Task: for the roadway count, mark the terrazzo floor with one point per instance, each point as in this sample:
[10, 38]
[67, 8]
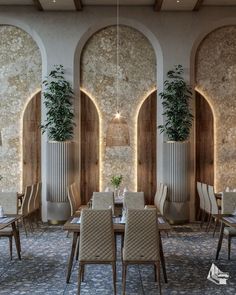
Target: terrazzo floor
[189, 253]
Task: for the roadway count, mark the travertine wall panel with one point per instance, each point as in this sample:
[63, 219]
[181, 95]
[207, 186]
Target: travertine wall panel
[216, 79]
[20, 78]
[136, 77]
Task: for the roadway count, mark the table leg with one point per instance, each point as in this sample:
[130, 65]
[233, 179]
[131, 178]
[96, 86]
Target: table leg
[162, 258]
[222, 226]
[16, 235]
[71, 258]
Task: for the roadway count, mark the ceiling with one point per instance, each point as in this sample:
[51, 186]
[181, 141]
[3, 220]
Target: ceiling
[158, 5]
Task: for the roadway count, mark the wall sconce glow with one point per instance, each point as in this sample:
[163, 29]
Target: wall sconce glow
[117, 115]
[117, 132]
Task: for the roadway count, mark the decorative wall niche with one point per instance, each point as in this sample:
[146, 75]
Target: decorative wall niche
[215, 80]
[20, 79]
[137, 78]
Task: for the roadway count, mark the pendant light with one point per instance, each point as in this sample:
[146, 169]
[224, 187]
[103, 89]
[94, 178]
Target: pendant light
[118, 130]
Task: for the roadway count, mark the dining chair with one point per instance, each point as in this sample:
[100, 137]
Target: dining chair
[141, 242]
[9, 202]
[97, 242]
[24, 211]
[214, 207]
[207, 203]
[201, 212]
[163, 199]
[229, 207]
[134, 200]
[158, 195]
[103, 200]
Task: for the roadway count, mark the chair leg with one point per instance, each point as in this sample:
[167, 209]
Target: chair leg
[82, 272]
[10, 246]
[229, 246]
[208, 221]
[24, 225]
[216, 223]
[77, 250]
[158, 275]
[203, 218]
[79, 278]
[155, 272]
[199, 214]
[114, 276]
[124, 269]
[209, 224]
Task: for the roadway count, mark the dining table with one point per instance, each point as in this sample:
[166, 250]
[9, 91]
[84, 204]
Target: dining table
[11, 220]
[119, 228]
[225, 220]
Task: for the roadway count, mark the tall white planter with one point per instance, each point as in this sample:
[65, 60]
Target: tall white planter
[59, 176]
[176, 177]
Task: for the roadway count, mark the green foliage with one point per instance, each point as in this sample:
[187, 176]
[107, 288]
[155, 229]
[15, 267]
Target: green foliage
[175, 101]
[58, 95]
[116, 180]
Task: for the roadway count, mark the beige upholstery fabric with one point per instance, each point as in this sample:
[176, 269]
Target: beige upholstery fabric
[163, 199]
[103, 200]
[32, 197]
[230, 231]
[207, 202]
[200, 194]
[25, 203]
[141, 236]
[96, 236]
[37, 201]
[9, 202]
[134, 200]
[75, 192]
[228, 202]
[158, 195]
[214, 206]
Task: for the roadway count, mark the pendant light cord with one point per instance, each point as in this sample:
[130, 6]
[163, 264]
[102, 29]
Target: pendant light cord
[117, 55]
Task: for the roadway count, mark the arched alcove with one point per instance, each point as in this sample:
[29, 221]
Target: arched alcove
[215, 74]
[89, 171]
[136, 76]
[147, 147]
[31, 141]
[20, 78]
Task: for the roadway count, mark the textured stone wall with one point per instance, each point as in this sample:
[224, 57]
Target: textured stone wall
[136, 77]
[216, 79]
[20, 78]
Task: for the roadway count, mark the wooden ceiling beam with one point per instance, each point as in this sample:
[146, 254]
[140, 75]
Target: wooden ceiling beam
[198, 5]
[78, 5]
[38, 5]
[158, 5]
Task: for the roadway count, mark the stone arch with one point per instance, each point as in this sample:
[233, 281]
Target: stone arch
[215, 74]
[22, 78]
[110, 27]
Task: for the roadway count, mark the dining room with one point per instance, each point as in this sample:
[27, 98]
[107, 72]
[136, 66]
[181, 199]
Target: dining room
[117, 147]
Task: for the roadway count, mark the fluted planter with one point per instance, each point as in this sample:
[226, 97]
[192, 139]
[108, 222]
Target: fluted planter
[59, 175]
[176, 178]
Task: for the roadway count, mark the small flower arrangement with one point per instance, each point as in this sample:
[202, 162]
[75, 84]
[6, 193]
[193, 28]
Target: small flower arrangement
[116, 180]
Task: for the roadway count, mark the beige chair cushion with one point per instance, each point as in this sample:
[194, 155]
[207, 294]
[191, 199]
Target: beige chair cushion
[96, 236]
[103, 200]
[134, 200]
[228, 204]
[141, 236]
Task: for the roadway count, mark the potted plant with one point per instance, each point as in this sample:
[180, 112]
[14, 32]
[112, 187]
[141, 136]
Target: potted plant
[177, 127]
[59, 125]
[116, 181]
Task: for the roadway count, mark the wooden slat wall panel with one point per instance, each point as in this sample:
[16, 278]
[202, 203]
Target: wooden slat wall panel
[147, 148]
[89, 148]
[32, 142]
[204, 143]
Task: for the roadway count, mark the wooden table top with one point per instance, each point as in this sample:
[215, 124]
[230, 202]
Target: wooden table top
[118, 227]
[228, 219]
[8, 220]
